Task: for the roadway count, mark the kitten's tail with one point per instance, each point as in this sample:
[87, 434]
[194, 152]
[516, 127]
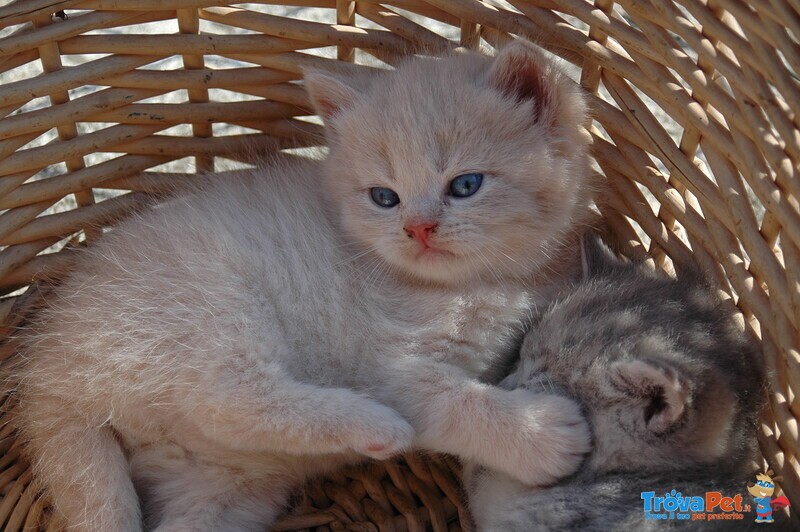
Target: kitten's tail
[82, 469]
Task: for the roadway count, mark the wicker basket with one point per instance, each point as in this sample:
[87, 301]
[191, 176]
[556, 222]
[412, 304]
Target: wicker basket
[696, 130]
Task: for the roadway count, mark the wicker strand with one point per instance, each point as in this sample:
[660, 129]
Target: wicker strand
[189, 22]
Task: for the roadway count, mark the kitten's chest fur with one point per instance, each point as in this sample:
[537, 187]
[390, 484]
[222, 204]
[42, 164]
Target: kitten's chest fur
[472, 328]
[340, 326]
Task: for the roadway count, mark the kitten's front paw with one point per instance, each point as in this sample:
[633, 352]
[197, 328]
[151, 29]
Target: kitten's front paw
[551, 439]
[384, 435]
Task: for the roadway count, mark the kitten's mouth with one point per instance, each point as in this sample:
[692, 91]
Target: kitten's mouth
[428, 252]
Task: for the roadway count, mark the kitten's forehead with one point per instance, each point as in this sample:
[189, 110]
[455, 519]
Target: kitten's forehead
[434, 98]
[419, 76]
[426, 98]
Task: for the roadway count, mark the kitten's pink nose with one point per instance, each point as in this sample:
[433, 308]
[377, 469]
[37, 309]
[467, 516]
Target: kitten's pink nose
[421, 231]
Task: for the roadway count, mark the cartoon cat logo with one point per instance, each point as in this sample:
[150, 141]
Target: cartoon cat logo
[762, 492]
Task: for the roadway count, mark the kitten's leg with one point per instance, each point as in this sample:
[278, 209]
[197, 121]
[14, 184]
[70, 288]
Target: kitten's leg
[213, 516]
[491, 495]
[270, 411]
[82, 468]
[536, 438]
[183, 493]
[498, 503]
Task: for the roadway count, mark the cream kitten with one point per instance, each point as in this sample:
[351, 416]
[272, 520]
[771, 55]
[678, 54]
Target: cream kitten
[209, 355]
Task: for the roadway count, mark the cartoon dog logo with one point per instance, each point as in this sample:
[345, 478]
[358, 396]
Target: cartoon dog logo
[762, 492]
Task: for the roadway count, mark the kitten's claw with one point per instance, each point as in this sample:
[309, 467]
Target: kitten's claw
[550, 441]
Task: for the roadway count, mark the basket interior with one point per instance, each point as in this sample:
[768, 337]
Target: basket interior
[106, 104]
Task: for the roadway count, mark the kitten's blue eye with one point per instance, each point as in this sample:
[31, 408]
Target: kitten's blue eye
[465, 185]
[385, 197]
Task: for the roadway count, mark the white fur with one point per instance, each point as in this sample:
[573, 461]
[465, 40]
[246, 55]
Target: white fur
[211, 354]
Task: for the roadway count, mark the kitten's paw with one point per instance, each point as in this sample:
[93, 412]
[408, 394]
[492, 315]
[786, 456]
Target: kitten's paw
[551, 439]
[385, 434]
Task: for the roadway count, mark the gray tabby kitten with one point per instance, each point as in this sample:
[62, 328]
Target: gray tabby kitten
[671, 386]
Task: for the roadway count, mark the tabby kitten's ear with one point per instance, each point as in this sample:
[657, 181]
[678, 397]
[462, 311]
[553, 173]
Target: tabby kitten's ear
[523, 72]
[328, 95]
[659, 392]
[596, 257]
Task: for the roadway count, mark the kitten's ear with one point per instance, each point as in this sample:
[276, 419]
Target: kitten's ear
[328, 95]
[523, 72]
[658, 391]
[596, 257]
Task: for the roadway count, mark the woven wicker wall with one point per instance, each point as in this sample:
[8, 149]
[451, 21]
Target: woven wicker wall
[696, 129]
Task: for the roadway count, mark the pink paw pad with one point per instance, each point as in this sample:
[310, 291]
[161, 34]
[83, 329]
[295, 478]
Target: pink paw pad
[376, 447]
